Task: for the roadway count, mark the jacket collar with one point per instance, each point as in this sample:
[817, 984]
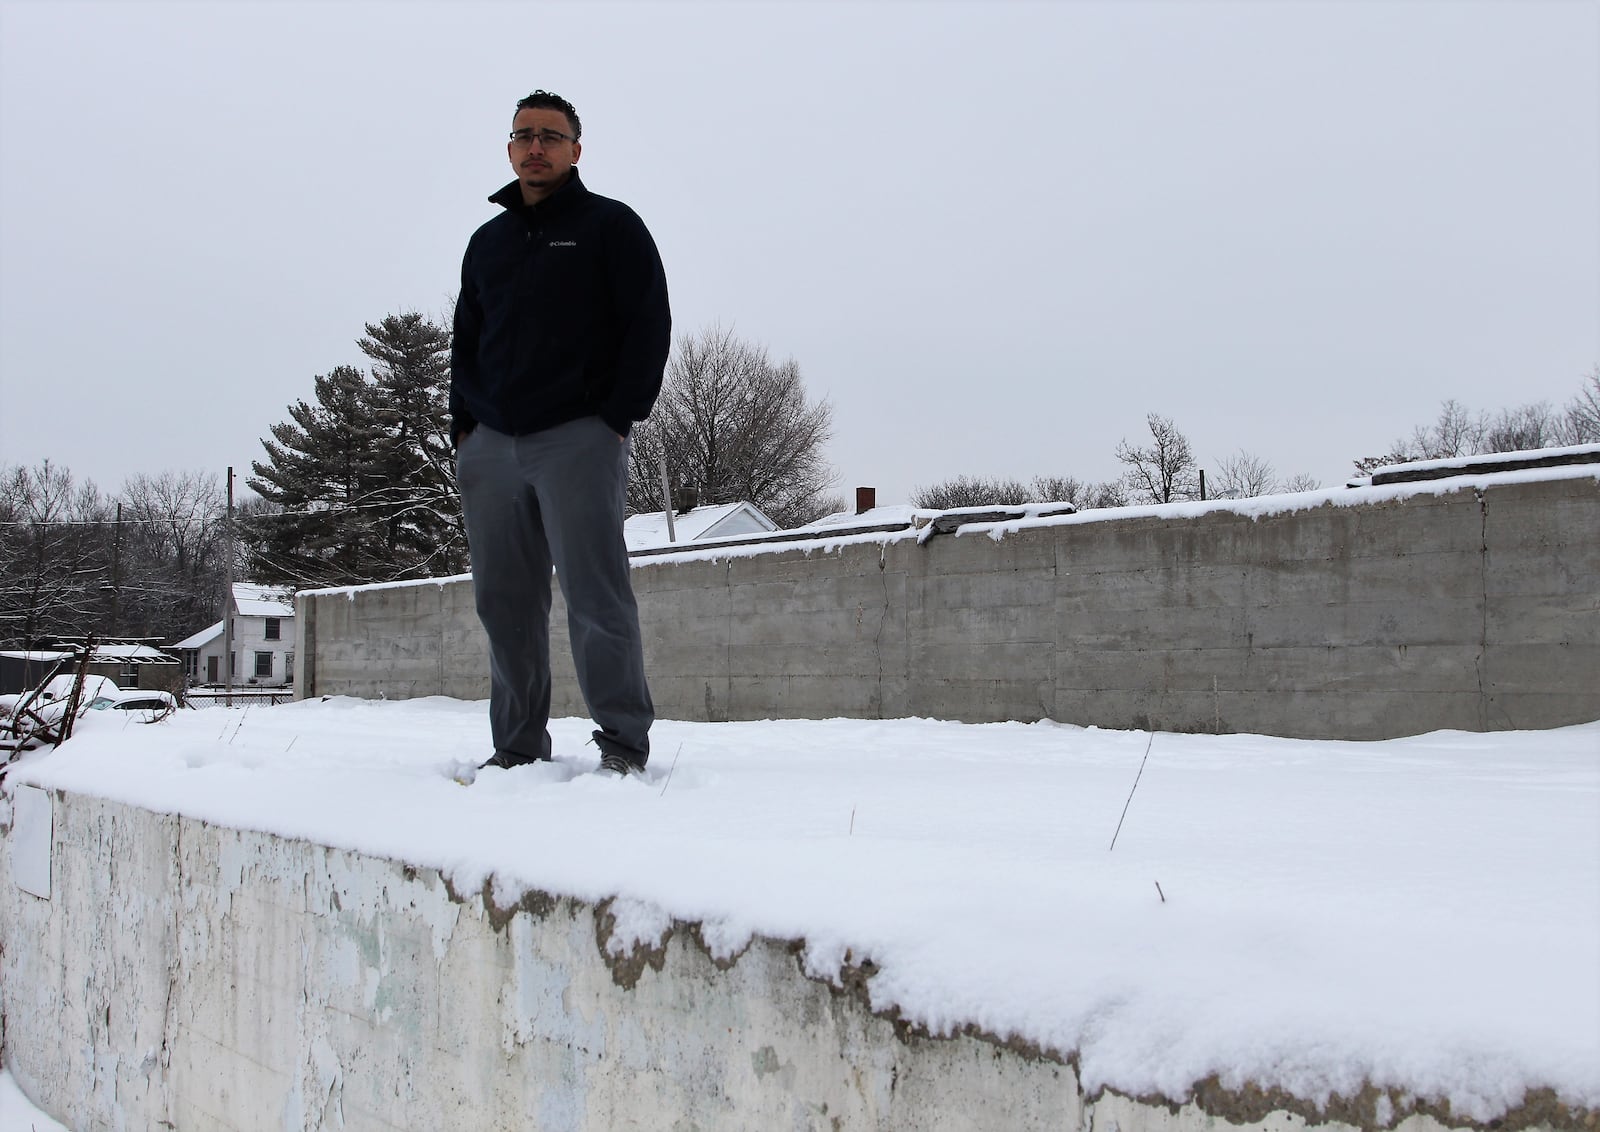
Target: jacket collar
[510, 197]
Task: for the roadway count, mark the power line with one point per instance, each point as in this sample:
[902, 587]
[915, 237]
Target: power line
[343, 509]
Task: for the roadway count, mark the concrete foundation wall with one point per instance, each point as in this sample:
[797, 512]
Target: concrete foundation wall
[164, 973]
[1476, 608]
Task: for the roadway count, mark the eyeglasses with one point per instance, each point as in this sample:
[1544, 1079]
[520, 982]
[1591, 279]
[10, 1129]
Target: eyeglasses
[547, 139]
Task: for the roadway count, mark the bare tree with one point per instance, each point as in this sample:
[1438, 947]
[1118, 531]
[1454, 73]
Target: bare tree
[1459, 432]
[1456, 432]
[1164, 470]
[1059, 489]
[1582, 417]
[975, 491]
[970, 491]
[1107, 493]
[735, 426]
[1301, 482]
[1246, 475]
[1519, 429]
[53, 554]
[1243, 476]
[1079, 493]
[174, 545]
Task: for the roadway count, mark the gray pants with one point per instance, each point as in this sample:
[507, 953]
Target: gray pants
[555, 498]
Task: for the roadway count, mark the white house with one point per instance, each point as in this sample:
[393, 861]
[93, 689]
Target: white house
[720, 520]
[263, 640]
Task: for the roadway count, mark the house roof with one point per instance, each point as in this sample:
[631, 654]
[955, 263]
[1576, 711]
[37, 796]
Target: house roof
[201, 639]
[711, 521]
[132, 654]
[125, 653]
[252, 599]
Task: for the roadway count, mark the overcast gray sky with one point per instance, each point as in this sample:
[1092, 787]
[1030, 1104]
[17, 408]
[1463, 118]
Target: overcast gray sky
[994, 236]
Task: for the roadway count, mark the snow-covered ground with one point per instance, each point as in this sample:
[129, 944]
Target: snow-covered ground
[1421, 913]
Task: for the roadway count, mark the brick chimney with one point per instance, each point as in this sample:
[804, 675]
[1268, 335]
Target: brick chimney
[866, 499]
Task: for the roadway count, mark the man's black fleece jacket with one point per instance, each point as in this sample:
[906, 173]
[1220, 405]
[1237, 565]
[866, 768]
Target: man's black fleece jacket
[562, 314]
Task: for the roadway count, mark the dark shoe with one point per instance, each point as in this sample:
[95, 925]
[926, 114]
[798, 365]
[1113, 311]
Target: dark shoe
[616, 766]
[508, 760]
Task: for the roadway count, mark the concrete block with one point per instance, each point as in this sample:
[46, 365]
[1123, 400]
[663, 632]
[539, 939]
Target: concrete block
[1421, 621]
[982, 554]
[1569, 619]
[1501, 710]
[1174, 627]
[801, 696]
[1564, 669]
[402, 1006]
[1334, 596]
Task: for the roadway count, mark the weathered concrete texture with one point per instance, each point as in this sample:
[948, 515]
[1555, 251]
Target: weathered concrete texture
[185, 976]
[1476, 609]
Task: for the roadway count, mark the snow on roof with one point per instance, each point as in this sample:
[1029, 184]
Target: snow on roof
[201, 639]
[137, 654]
[711, 521]
[905, 515]
[252, 599]
[902, 513]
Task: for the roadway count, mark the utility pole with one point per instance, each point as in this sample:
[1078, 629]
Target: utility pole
[227, 603]
[666, 497]
[116, 572]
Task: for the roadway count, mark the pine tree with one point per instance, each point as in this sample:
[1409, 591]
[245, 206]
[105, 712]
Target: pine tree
[414, 467]
[360, 486]
[319, 475]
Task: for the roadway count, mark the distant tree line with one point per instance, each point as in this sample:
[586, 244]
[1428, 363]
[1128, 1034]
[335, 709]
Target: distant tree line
[1165, 470]
[148, 561]
[358, 485]
[1460, 432]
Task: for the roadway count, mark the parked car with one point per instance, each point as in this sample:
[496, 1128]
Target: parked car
[50, 701]
[46, 710]
[155, 705]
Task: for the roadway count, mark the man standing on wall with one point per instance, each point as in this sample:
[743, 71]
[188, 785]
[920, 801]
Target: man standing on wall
[561, 336]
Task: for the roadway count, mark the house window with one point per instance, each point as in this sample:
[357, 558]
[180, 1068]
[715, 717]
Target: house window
[263, 664]
[288, 668]
[233, 664]
[191, 664]
[272, 629]
[129, 677]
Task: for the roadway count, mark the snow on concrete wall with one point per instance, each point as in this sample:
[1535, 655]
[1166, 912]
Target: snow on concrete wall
[1364, 614]
[180, 975]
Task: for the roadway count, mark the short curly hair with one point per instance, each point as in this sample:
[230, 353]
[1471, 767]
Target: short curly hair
[546, 100]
